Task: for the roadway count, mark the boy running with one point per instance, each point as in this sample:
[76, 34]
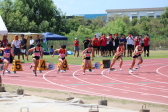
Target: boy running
[137, 55]
[117, 56]
[7, 52]
[62, 54]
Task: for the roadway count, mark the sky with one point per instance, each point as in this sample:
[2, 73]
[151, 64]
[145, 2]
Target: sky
[71, 7]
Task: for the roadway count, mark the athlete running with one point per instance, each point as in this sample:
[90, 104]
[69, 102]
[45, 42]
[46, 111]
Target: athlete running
[62, 54]
[87, 55]
[7, 52]
[36, 57]
[137, 55]
[117, 56]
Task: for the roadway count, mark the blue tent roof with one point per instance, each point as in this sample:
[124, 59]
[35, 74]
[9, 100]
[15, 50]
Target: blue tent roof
[51, 36]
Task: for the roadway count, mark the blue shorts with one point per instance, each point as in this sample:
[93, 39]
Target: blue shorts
[7, 59]
[76, 48]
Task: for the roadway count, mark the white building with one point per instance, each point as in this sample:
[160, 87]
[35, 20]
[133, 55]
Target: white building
[136, 13]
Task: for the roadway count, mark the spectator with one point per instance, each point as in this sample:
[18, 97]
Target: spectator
[86, 42]
[116, 41]
[51, 50]
[16, 46]
[130, 41]
[137, 40]
[94, 43]
[76, 47]
[109, 45]
[98, 46]
[31, 42]
[140, 36]
[124, 41]
[146, 45]
[38, 40]
[103, 45]
[24, 47]
[4, 42]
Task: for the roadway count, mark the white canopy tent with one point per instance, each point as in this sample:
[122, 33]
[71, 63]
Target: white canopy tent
[3, 29]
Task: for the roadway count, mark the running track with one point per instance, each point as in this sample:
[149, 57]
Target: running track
[149, 84]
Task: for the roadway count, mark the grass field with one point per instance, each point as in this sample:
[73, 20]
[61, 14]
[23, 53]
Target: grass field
[154, 54]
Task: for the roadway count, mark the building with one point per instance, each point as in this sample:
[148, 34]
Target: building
[136, 13]
[90, 16]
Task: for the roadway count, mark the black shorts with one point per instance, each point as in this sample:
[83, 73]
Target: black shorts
[98, 47]
[109, 47]
[37, 57]
[117, 57]
[87, 58]
[136, 56]
[17, 51]
[63, 58]
[129, 46]
[103, 48]
[146, 48]
[133, 47]
[94, 46]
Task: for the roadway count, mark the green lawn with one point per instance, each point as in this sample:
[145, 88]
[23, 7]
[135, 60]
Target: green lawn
[77, 61]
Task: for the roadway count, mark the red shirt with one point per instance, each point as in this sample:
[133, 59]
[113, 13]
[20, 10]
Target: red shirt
[104, 41]
[110, 36]
[137, 41]
[4, 43]
[76, 43]
[146, 41]
[95, 41]
[62, 51]
[99, 42]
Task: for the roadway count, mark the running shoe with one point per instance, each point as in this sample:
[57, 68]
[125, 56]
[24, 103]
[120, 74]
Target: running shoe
[83, 73]
[35, 74]
[7, 71]
[90, 70]
[109, 70]
[31, 66]
[130, 70]
[58, 71]
[120, 69]
[138, 66]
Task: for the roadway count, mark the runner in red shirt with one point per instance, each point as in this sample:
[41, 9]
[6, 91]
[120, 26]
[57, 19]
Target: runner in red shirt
[76, 47]
[95, 44]
[146, 45]
[103, 45]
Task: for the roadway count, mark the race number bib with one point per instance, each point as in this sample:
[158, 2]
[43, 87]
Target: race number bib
[87, 55]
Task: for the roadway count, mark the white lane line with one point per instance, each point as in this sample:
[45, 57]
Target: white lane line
[157, 70]
[97, 94]
[111, 87]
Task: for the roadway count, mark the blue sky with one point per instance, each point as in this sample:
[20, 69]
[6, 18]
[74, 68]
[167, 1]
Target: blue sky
[100, 6]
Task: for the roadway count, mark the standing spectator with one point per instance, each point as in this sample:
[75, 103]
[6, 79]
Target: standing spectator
[23, 47]
[94, 43]
[16, 46]
[146, 45]
[137, 41]
[124, 41]
[108, 46]
[117, 41]
[86, 42]
[130, 41]
[51, 50]
[90, 40]
[98, 46]
[31, 42]
[140, 36]
[103, 45]
[4, 42]
[38, 40]
[76, 47]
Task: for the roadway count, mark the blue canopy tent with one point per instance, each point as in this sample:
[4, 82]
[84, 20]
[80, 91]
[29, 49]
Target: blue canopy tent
[51, 37]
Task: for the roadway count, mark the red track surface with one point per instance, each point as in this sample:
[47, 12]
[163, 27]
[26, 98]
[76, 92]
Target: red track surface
[149, 84]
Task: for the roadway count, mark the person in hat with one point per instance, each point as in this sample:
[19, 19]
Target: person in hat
[23, 47]
[6, 57]
[76, 47]
[62, 54]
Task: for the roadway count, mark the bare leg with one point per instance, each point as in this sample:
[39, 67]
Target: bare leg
[74, 53]
[113, 62]
[133, 63]
[140, 60]
[85, 65]
[78, 53]
[121, 62]
[23, 56]
[18, 56]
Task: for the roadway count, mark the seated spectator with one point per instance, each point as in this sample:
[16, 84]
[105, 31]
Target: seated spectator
[51, 50]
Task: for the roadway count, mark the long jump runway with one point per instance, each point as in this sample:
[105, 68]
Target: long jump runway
[149, 84]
